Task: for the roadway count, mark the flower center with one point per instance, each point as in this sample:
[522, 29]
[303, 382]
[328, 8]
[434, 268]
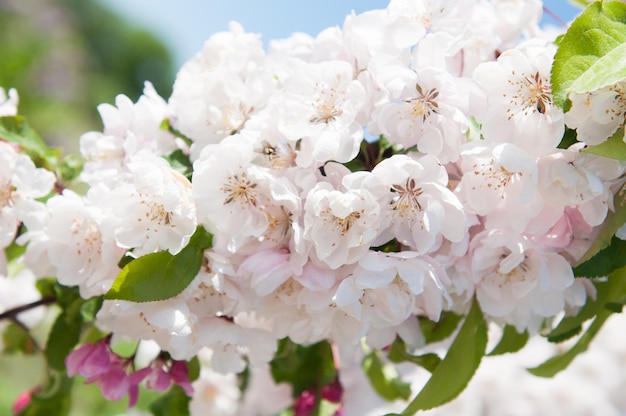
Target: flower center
[343, 224]
[6, 193]
[618, 111]
[512, 267]
[87, 235]
[496, 178]
[424, 104]
[534, 94]
[406, 202]
[326, 108]
[239, 190]
[278, 225]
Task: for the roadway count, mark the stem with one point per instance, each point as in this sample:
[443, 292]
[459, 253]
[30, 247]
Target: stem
[554, 16]
[12, 313]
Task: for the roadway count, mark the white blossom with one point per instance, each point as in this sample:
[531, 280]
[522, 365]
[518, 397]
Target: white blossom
[520, 107]
[597, 115]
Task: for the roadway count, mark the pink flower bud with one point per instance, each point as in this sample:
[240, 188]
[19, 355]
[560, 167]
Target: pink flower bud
[21, 401]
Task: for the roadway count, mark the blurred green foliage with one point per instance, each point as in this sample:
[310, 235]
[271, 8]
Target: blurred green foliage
[66, 56]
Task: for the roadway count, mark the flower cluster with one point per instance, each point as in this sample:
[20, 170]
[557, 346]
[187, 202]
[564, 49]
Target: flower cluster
[397, 167]
[98, 364]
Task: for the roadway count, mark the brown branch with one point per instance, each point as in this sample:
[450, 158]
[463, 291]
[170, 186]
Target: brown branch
[12, 313]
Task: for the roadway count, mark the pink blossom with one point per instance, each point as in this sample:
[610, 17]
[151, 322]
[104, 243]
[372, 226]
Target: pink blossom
[89, 360]
[100, 365]
[179, 374]
[158, 379]
[304, 404]
[333, 392]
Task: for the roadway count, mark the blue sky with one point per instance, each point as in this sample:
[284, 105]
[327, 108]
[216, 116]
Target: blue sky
[184, 25]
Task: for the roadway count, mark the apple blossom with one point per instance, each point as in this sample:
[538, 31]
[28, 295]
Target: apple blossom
[520, 108]
[597, 115]
[355, 188]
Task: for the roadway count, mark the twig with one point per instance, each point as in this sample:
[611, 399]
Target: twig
[12, 313]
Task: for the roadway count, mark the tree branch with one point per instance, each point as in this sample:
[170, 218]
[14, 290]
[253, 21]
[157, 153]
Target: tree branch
[12, 313]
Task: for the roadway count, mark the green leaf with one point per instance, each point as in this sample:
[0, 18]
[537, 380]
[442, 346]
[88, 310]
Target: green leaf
[569, 138]
[607, 70]
[458, 366]
[398, 354]
[90, 308]
[614, 147]
[64, 335]
[174, 402]
[46, 286]
[70, 168]
[193, 368]
[558, 363]
[572, 325]
[13, 251]
[616, 293]
[304, 367]
[160, 276]
[614, 220]
[180, 162]
[591, 38]
[165, 125]
[606, 261]
[440, 330]
[67, 296]
[16, 340]
[385, 378]
[15, 129]
[511, 341]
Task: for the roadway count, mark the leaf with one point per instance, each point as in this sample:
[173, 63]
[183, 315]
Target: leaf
[606, 261]
[616, 294]
[572, 325]
[614, 220]
[569, 138]
[63, 337]
[304, 367]
[511, 341]
[16, 340]
[458, 366]
[398, 354]
[193, 368]
[90, 308]
[607, 70]
[614, 147]
[440, 330]
[15, 129]
[13, 251]
[46, 286]
[589, 41]
[165, 125]
[384, 378]
[174, 402]
[180, 162]
[160, 276]
[70, 168]
[558, 363]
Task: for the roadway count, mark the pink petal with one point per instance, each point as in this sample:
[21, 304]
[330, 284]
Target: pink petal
[158, 380]
[180, 375]
[114, 384]
[89, 360]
